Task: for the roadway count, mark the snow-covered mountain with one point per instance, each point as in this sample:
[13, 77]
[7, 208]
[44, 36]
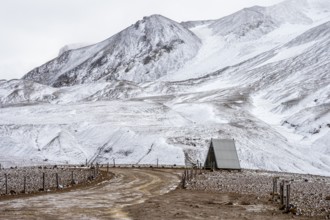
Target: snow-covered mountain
[143, 52]
[161, 90]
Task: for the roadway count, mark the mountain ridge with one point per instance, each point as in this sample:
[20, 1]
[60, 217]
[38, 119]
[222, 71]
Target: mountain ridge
[138, 47]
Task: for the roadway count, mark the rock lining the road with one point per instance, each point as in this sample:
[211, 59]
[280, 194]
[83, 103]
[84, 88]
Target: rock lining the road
[308, 192]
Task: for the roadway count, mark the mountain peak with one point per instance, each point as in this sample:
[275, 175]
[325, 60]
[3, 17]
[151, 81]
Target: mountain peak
[155, 16]
[145, 51]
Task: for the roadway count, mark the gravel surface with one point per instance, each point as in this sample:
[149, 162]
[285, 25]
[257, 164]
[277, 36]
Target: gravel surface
[34, 178]
[104, 200]
[310, 194]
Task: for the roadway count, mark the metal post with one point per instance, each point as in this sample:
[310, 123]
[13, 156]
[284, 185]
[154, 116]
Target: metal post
[157, 162]
[107, 168]
[184, 179]
[86, 162]
[114, 162]
[282, 192]
[97, 169]
[274, 187]
[276, 178]
[24, 183]
[57, 183]
[288, 196]
[43, 181]
[6, 182]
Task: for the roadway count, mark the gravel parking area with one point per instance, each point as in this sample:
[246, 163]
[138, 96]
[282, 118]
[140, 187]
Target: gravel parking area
[309, 193]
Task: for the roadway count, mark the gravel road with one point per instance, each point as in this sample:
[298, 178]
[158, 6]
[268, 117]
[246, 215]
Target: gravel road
[102, 201]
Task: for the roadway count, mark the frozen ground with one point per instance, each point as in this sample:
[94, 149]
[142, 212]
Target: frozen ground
[144, 130]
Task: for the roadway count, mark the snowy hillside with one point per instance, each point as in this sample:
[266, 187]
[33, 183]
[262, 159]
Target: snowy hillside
[161, 90]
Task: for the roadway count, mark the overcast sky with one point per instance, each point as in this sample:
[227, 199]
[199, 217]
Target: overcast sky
[33, 31]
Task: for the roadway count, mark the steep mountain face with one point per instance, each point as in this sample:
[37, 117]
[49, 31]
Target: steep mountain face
[143, 52]
[250, 22]
[260, 76]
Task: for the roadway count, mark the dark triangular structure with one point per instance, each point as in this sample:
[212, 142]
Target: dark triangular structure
[222, 154]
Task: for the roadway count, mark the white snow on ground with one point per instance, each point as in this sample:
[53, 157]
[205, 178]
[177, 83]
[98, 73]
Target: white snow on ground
[59, 132]
[286, 53]
[269, 90]
[222, 51]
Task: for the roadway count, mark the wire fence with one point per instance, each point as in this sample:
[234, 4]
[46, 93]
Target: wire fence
[44, 178]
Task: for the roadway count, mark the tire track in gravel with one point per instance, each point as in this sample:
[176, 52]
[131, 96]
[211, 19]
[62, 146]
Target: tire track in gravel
[102, 201]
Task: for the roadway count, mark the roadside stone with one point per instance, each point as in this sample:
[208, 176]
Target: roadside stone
[307, 191]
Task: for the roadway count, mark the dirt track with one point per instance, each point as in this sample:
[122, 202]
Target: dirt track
[102, 201]
[135, 194]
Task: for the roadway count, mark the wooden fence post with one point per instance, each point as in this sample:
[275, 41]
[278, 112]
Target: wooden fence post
[6, 182]
[274, 187]
[24, 183]
[72, 180]
[288, 189]
[43, 181]
[184, 179]
[57, 182]
[97, 168]
[282, 192]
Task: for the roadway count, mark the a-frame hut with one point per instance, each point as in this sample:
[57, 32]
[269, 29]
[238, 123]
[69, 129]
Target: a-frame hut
[222, 154]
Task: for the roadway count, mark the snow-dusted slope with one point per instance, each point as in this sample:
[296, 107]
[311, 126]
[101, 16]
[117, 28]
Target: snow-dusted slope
[143, 52]
[72, 47]
[262, 80]
[247, 33]
[22, 92]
